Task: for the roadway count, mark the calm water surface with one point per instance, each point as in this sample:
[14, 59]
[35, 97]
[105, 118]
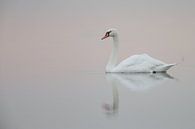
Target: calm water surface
[94, 100]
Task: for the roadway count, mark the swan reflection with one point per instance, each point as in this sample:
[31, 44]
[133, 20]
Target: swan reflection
[138, 81]
[135, 82]
[112, 109]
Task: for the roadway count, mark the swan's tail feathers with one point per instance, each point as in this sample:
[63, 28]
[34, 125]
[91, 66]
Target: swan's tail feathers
[167, 66]
[163, 68]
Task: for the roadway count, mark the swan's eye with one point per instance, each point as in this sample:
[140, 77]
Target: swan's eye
[108, 33]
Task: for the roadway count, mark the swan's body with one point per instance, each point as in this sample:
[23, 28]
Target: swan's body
[135, 63]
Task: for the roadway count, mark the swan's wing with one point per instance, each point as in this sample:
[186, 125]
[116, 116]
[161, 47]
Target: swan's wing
[140, 59]
[140, 63]
[130, 61]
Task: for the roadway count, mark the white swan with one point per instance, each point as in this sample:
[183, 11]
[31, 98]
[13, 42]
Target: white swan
[135, 63]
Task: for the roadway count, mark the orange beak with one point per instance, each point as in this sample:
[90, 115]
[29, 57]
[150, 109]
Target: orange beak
[106, 36]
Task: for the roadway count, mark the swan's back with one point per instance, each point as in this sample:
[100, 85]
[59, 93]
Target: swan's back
[142, 63]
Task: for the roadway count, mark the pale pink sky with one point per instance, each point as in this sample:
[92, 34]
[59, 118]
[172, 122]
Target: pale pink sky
[65, 34]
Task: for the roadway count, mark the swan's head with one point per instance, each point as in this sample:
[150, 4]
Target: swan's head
[110, 33]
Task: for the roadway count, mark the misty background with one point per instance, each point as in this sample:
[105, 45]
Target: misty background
[52, 64]
[65, 34]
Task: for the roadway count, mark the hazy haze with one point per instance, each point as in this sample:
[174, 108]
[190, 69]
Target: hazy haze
[66, 33]
[52, 64]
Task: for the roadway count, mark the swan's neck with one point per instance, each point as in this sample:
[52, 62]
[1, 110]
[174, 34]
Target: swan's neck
[114, 55]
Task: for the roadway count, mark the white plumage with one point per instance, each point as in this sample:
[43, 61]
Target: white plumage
[135, 63]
